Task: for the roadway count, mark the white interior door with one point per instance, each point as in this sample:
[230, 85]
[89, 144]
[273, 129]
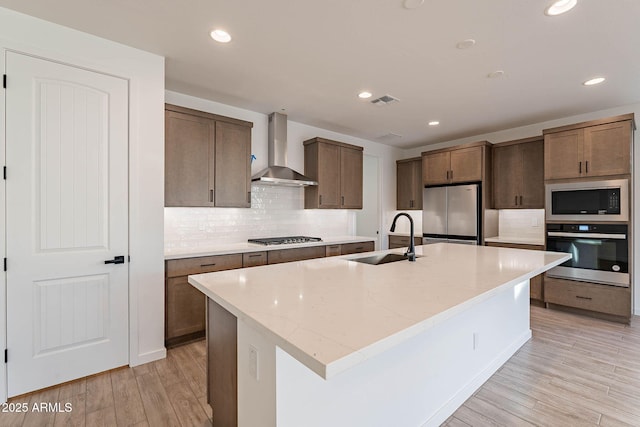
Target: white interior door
[67, 213]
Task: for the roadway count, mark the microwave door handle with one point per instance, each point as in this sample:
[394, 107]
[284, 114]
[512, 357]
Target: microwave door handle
[587, 235]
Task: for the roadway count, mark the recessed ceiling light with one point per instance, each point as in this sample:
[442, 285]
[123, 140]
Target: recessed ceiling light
[560, 6]
[434, 123]
[466, 44]
[594, 81]
[412, 4]
[496, 74]
[364, 95]
[221, 36]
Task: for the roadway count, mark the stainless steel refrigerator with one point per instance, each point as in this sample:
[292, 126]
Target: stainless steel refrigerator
[451, 213]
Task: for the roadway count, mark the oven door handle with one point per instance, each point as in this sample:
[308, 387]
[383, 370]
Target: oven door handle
[587, 235]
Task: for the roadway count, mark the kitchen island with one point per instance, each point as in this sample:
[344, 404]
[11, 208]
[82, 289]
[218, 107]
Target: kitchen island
[338, 342]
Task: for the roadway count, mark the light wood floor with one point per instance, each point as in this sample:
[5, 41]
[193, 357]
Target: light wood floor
[576, 371]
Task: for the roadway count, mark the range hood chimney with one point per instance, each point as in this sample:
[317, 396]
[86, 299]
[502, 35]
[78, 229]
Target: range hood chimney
[278, 173]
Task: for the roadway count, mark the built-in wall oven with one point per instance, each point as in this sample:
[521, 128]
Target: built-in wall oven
[600, 252]
[588, 201]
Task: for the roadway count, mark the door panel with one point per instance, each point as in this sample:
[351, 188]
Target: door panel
[462, 210]
[434, 210]
[67, 212]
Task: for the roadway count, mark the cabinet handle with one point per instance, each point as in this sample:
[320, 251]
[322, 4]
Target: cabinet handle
[359, 248]
[586, 166]
[581, 297]
[410, 203]
[255, 256]
[320, 200]
[579, 167]
[451, 174]
[516, 201]
[342, 200]
[207, 265]
[520, 200]
[211, 196]
[248, 196]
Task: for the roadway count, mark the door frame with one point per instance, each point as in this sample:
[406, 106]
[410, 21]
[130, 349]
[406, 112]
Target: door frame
[378, 207]
[145, 73]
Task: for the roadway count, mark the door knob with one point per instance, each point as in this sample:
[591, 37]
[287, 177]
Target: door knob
[116, 260]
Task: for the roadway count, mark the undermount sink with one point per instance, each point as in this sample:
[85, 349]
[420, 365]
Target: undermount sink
[381, 259]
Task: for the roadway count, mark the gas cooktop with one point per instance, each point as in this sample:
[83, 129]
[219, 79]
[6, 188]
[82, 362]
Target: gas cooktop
[285, 240]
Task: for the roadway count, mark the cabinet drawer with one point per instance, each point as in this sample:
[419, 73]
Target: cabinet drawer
[515, 246]
[354, 248]
[295, 254]
[206, 264]
[587, 296]
[403, 241]
[333, 250]
[254, 259]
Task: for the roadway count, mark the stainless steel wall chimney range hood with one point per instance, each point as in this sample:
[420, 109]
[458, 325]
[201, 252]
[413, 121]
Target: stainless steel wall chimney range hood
[278, 173]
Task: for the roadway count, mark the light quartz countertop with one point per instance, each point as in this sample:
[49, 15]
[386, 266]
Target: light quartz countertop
[515, 240]
[333, 313]
[235, 248]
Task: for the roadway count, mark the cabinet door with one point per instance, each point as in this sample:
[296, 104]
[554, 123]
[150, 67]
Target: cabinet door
[404, 183]
[184, 308]
[563, 154]
[607, 149]
[254, 259]
[232, 165]
[507, 176]
[350, 178]
[333, 250]
[328, 176]
[466, 165]
[416, 184]
[435, 168]
[189, 179]
[532, 175]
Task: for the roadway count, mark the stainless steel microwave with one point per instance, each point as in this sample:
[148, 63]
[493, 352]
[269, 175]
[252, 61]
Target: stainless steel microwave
[588, 201]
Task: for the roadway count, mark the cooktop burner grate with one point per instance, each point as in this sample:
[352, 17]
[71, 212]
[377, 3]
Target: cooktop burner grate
[285, 240]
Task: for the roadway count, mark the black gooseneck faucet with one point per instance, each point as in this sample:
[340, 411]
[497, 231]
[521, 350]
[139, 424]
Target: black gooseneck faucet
[411, 251]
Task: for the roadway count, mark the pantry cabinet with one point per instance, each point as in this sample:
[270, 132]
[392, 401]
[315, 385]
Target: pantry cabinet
[589, 149]
[338, 169]
[518, 174]
[207, 159]
[409, 184]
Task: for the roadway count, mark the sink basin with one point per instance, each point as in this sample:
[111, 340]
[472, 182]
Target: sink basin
[381, 259]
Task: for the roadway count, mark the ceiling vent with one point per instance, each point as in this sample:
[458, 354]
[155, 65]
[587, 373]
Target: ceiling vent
[385, 100]
[389, 137]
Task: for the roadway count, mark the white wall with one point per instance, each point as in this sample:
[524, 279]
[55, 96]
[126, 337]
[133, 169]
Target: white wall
[145, 73]
[296, 134]
[536, 129]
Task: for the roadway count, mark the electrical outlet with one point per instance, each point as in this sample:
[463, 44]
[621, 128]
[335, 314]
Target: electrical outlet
[253, 362]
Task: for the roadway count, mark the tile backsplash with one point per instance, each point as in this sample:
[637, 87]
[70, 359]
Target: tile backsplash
[275, 211]
[522, 223]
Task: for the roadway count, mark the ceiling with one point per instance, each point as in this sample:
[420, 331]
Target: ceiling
[312, 58]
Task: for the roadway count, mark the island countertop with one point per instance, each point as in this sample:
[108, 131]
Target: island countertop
[333, 313]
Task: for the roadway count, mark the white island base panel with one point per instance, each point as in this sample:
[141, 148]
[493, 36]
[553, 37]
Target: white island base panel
[419, 382]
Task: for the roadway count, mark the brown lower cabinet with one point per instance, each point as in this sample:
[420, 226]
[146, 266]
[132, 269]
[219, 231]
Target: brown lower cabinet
[610, 302]
[403, 241]
[185, 305]
[537, 283]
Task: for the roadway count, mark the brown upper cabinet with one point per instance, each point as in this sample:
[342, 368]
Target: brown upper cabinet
[207, 159]
[589, 149]
[409, 184]
[518, 174]
[449, 166]
[338, 169]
